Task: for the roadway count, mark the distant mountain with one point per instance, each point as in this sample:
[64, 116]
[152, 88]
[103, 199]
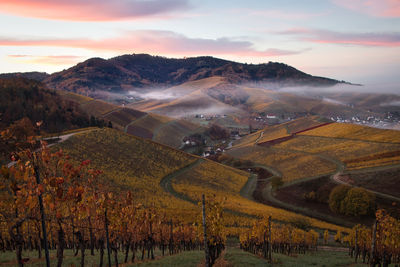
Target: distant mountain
[33, 75]
[130, 72]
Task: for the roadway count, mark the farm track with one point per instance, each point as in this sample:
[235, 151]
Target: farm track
[259, 138]
[166, 185]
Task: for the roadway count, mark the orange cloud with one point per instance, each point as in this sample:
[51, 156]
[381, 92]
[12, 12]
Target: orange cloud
[332, 37]
[378, 8]
[90, 10]
[157, 42]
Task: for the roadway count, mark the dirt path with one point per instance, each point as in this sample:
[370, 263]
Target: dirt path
[62, 138]
[166, 185]
[166, 182]
[259, 138]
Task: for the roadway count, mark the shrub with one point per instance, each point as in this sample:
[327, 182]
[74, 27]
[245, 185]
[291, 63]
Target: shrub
[358, 202]
[276, 182]
[336, 196]
[351, 201]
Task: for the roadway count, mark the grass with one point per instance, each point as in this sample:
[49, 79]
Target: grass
[234, 257]
[239, 258]
[9, 258]
[187, 258]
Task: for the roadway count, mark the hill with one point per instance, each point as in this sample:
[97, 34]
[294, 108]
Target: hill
[22, 97]
[160, 128]
[33, 75]
[129, 72]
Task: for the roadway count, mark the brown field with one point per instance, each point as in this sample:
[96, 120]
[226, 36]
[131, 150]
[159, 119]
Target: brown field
[124, 116]
[384, 181]
[139, 131]
[80, 99]
[98, 107]
[172, 133]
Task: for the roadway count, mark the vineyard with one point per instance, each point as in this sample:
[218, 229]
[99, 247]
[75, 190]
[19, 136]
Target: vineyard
[291, 164]
[51, 203]
[123, 210]
[353, 131]
[359, 154]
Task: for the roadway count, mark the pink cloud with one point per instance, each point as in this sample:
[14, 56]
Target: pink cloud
[157, 42]
[378, 8]
[47, 60]
[91, 10]
[332, 37]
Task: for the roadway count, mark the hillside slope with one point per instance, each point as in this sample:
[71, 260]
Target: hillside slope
[129, 72]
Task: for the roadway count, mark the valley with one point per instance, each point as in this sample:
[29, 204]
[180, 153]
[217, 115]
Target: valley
[262, 157]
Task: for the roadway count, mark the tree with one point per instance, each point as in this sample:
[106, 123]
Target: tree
[326, 237]
[336, 196]
[351, 201]
[358, 202]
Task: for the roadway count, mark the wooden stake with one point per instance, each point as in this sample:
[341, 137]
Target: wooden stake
[206, 250]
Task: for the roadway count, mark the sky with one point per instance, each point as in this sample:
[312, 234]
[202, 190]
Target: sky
[352, 40]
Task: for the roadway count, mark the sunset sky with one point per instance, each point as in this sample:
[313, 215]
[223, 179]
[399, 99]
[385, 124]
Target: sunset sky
[352, 40]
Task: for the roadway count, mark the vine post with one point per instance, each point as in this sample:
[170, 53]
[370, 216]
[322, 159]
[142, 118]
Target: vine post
[206, 250]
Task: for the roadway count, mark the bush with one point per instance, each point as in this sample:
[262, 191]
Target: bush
[336, 196]
[310, 196]
[351, 201]
[358, 202]
[276, 182]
